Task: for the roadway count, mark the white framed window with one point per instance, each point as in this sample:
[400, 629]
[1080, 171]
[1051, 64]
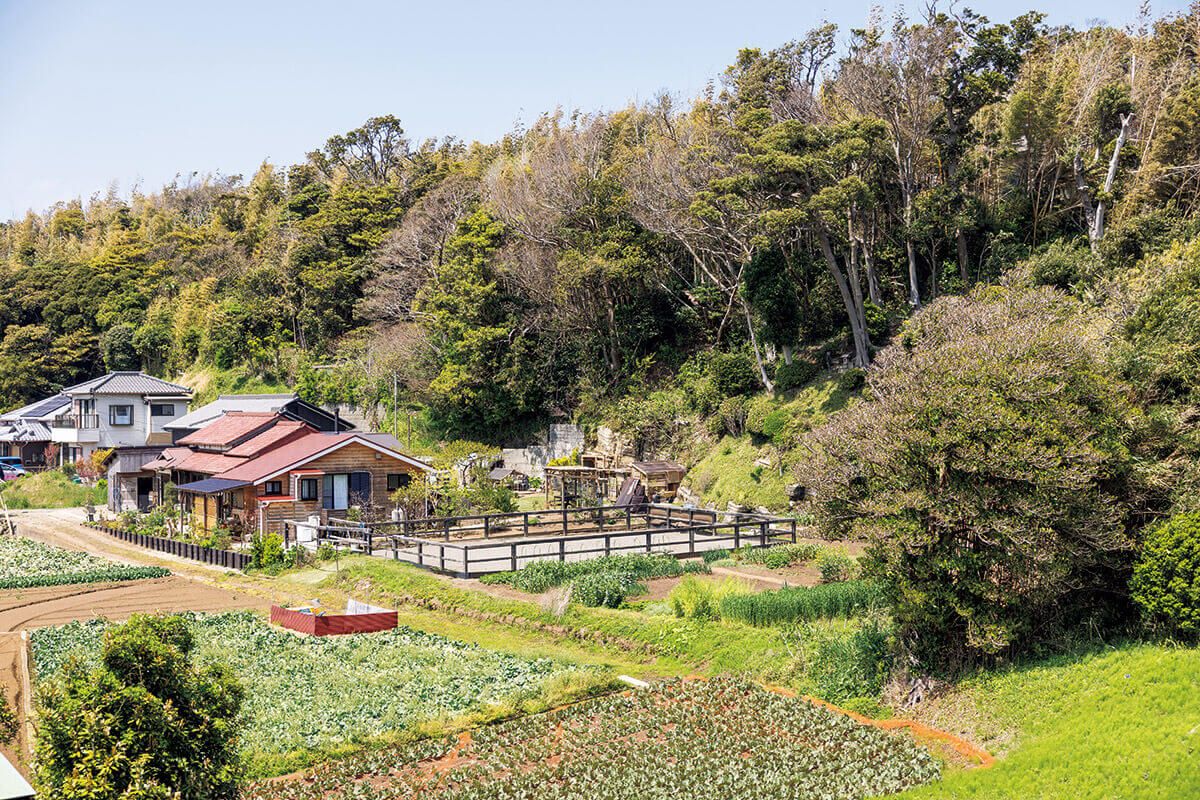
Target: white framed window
[120, 415]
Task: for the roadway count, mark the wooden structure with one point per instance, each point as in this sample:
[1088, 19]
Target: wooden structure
[480, 544]
[573, 486]
[312, 475]
[661, 479]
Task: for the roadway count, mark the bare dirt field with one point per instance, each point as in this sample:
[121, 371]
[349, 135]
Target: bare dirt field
[55, 605]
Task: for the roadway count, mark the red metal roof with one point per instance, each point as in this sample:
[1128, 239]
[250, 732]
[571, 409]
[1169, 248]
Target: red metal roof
[299, 451]
[280, 433]
[167, 459]
[231, 429]
[207, 463]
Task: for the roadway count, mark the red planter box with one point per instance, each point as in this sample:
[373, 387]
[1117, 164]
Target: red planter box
[333, 624]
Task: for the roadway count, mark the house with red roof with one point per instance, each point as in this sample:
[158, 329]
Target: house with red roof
[254, 471]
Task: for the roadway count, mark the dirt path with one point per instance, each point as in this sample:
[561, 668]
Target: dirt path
[12, 687]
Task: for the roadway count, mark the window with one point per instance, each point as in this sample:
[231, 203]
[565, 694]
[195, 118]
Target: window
[274, 488]
[162, 409]
[342, 490]
[310, 489]
[120, 415]
[336, 496]
[398, 480]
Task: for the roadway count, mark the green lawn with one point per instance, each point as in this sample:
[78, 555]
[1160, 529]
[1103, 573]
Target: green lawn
[1122, 724]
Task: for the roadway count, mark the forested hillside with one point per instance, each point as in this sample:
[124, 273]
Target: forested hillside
[789, 219]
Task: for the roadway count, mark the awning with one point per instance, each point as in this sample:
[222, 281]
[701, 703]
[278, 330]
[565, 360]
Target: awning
[211, 486]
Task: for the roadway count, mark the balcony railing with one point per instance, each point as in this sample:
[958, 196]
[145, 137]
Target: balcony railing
[79, 421]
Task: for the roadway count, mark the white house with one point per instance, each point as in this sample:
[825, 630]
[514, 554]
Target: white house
[126, 412]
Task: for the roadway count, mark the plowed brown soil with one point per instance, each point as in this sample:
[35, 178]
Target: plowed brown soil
[54, 605]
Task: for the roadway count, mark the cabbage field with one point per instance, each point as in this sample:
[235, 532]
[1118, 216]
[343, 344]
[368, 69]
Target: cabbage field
[307, 692]
[702, 740]
[26, 563]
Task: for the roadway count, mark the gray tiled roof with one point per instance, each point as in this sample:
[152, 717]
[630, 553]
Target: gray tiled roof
[127, 383]
[210, 412]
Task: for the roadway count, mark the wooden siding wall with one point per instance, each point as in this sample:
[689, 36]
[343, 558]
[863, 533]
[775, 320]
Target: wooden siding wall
[351, 458]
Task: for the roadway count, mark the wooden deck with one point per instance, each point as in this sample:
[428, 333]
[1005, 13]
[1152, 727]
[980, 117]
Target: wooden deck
[471, 546]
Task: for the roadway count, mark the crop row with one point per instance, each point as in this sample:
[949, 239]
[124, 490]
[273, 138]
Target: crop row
[304, 692]
[605, 581]
[698, 739]
[801, 603]
[26, 563]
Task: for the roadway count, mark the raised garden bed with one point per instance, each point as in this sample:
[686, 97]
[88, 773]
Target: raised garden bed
[333, 624]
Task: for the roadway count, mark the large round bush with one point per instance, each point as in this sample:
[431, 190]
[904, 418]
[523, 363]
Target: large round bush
[989, 471]
[1166, 580]
[733, 373]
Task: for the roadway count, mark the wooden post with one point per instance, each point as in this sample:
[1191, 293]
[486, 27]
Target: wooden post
[737, 534]
[648, 535]
[421, 552]
[564, 513]
[525, 522]
[487, 526]
[793, 530]
[562, 550]
[628, 519]
[762, 535]
[466, 551]
[691, 540]
[512, 558]
[442, 558]
[607, 544]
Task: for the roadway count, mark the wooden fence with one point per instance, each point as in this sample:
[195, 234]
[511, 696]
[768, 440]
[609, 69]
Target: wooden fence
[194, 552]
[477, 545]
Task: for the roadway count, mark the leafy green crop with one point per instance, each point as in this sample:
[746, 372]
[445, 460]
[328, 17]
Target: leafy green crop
[310, 692]
[25, 564]
[714, 739]
[605, 581]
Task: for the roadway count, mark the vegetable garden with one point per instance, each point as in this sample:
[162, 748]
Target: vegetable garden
[26, 564]
[306, 692]
[698, 739]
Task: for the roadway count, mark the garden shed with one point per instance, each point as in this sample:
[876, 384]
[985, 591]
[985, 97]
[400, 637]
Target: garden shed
[660, 478]
[512, 478]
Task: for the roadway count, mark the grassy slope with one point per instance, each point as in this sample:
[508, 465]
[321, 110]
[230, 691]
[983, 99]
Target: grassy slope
[628, 641]
[727, 472]
[50, 489]
[1119, 724]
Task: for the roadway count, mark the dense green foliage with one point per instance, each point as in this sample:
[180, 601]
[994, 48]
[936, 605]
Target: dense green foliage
[802, 603]
[313, 692]
[991, 473]
[26, 563]
[672, 741]
[792, 215]
[1166, 578]
[142, 720]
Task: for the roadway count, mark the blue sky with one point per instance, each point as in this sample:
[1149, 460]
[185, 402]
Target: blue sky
[134, 92]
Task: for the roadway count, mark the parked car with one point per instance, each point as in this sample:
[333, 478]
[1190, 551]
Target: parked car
[11, 467]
